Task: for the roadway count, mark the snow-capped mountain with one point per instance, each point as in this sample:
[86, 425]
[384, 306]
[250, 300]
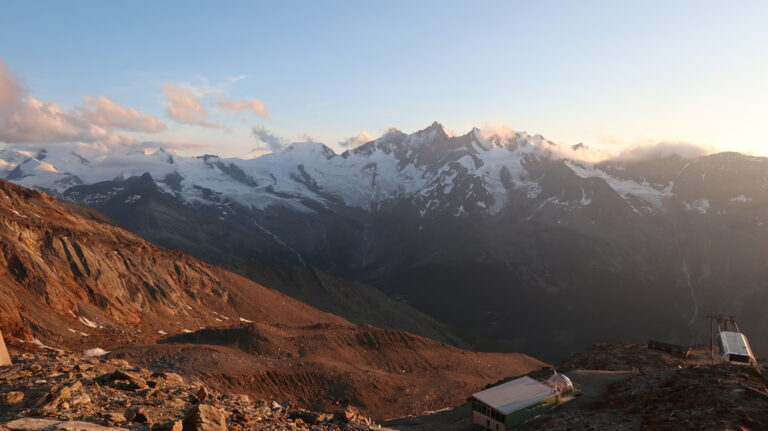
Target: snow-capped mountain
[428, 166]
[486, 231]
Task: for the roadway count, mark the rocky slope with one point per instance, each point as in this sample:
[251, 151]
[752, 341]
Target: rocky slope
[47, 391]
[357, 302]
[73, 281]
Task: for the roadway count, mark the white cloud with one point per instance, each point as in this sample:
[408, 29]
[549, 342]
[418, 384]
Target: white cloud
[662, 150]
[268, 140]
[106, 113]
[186, 107]
[34, 121]
[24, 119]
[355, 141]
[255, 106]
[10, 89]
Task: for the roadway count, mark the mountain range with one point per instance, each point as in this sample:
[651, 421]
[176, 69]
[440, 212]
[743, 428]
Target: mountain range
[514, 241]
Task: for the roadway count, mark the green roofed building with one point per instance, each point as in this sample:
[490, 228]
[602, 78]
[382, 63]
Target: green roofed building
[501, 407]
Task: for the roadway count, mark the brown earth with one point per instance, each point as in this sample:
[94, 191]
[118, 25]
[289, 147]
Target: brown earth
[384, 372]
[75, 281]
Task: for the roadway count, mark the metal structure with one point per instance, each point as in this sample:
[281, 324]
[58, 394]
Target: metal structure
[733, 346]
[724, 323]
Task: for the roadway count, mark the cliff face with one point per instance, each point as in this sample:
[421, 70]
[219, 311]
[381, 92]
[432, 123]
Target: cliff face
[66, 272]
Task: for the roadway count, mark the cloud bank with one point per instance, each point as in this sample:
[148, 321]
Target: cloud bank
[24, 119]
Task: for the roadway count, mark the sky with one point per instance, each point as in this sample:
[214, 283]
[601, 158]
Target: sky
[243, 78]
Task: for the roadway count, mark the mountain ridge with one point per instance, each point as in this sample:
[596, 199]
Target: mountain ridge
[465, 228]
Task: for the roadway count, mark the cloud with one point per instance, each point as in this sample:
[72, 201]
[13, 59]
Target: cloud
[663, 150]
[269, 140]
[106, 113]
[10, 89]
[34, 121]
[185, 107]
[355, 141]
[25, 119]
[255, 106]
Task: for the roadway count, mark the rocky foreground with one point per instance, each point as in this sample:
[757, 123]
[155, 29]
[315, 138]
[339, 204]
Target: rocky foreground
[69, 392]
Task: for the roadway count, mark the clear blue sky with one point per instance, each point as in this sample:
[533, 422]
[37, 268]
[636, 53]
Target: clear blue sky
[598, 72]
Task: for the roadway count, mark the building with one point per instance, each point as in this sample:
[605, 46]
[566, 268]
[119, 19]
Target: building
[501, 407]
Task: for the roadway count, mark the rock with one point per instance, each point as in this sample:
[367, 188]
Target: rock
[80, 399]
[238, 398]
[124, 380]
[57, 395]
[84, 426]
[201, 394]
[311, 418]
[147, 393]
[170, 377]
[120, 363]
[204, 417]
[136, 414]
[168, 426]
[114, 417]
[14, 397]
[345, 415]
[28, 424]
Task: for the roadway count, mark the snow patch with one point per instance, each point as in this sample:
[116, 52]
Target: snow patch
[132, 199]
[89, 323]
[701, 205]
[96, 351]
[40, 344]
[742, 199]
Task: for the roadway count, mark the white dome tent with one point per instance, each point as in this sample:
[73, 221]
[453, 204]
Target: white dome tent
[560, 382]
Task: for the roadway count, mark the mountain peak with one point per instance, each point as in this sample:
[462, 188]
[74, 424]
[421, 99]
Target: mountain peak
[435, 128]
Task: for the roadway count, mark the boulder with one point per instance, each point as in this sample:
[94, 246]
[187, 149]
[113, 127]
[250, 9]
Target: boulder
[14, 397]
[57, 395]
[204, 417]
[29, 424]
